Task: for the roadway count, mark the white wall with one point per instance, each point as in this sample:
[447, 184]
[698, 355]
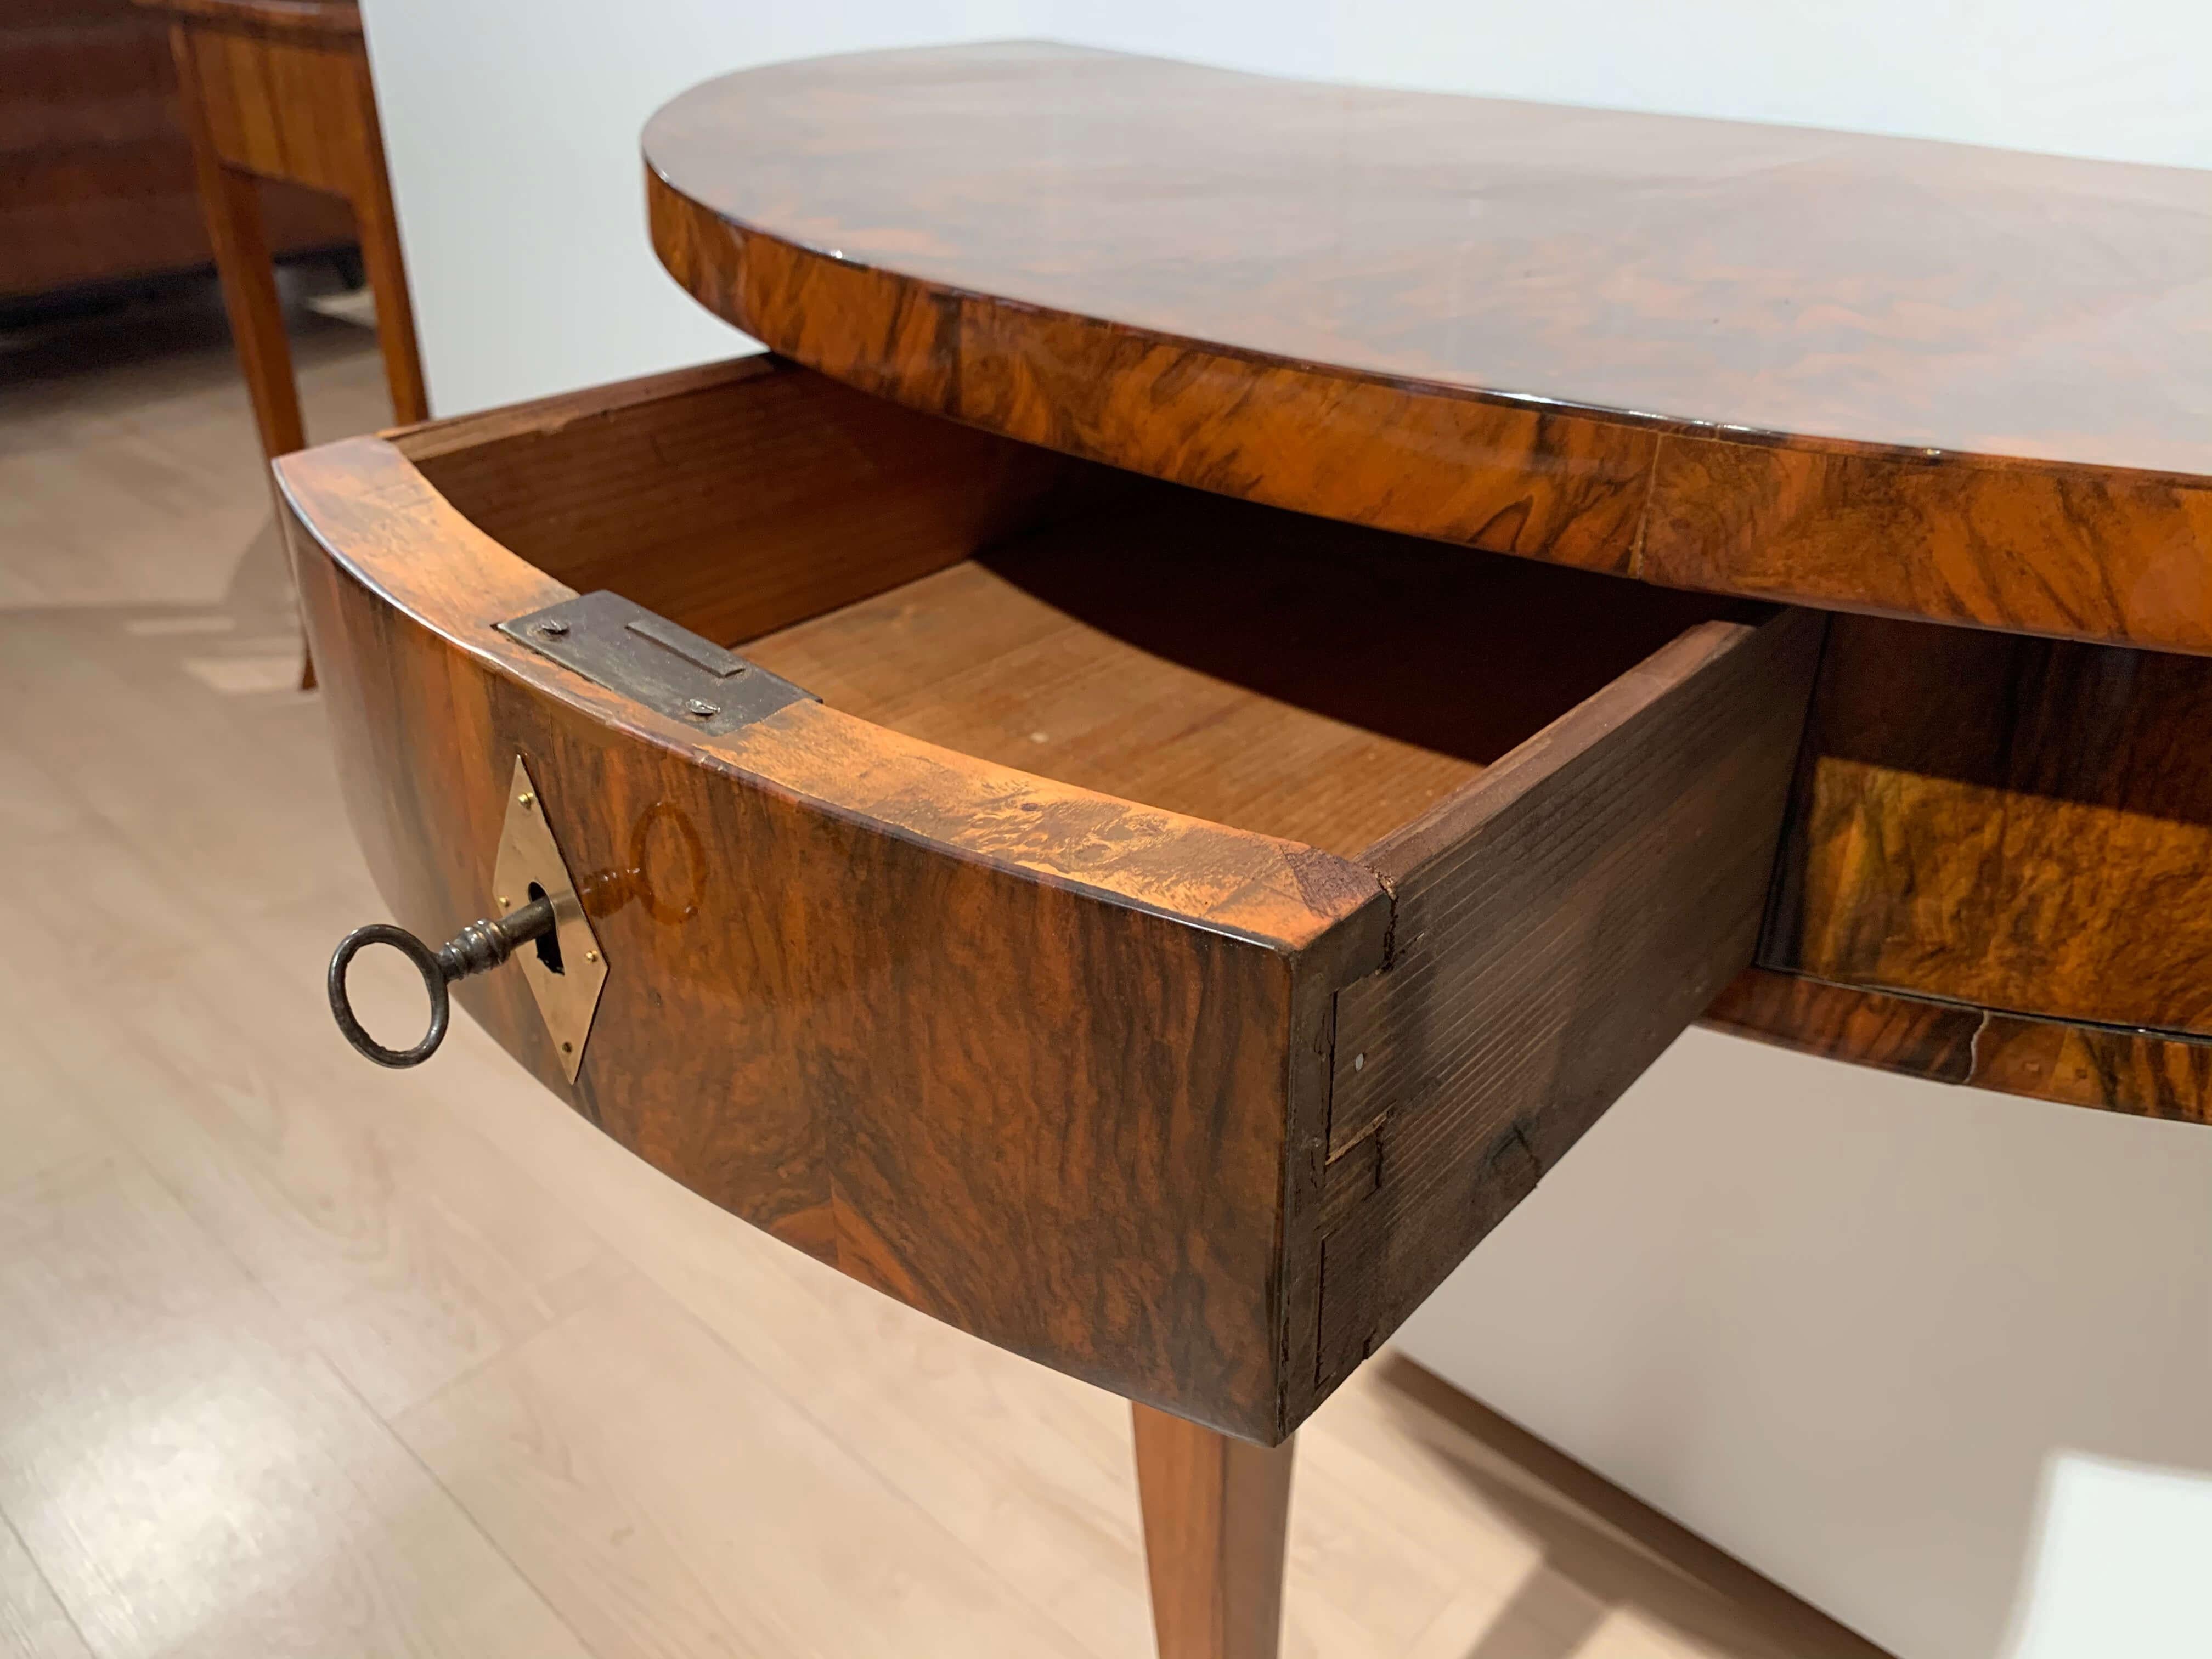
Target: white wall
[1851, 1326]
[2123, 81]
[1938, 1360]
[512, 134]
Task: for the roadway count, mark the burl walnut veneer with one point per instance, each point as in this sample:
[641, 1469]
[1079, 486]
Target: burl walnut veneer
[1296, 718]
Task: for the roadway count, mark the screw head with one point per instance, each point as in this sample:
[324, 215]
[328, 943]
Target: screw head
[591, 956]
[555, 626]
[502, 903]
[526, 798]
[699, 709]
[567, 1048]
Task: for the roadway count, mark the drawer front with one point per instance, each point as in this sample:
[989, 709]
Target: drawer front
[1024, 1057]
[1191, 1111]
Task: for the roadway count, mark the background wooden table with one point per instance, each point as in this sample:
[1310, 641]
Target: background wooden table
[280, 90]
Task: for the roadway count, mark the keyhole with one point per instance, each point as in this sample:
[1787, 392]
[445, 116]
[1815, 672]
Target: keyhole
[548, 943]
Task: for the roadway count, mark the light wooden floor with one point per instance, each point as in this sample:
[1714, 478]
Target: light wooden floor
[301, 1357]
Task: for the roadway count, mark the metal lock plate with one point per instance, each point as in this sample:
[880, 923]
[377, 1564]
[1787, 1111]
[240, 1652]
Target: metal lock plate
[566, 970]
[613, 643]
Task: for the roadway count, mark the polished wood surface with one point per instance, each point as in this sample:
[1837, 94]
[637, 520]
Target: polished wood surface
[231, 200]
[1871, 373]
[1995, 870]
[1134, 938]
[1911, 1035]
[1217, 1517]
[1188, 1048]
[2143, 1073]
[280, 90]
[338, 20]
[96, 176]
[1958, 384]
[2019, 824]
[303, 1357]
[873, 1098]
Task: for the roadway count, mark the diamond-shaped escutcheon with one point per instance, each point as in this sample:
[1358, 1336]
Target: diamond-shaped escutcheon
[565, 969]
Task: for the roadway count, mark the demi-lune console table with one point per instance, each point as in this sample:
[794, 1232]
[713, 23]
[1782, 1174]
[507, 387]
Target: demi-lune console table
[1255, 652]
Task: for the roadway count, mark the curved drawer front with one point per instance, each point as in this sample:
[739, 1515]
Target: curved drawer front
[1061, 1069]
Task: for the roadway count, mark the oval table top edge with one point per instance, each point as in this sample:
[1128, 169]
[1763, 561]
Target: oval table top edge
[1997, 538]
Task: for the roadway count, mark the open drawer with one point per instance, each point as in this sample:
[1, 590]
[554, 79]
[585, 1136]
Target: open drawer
[1177, 932]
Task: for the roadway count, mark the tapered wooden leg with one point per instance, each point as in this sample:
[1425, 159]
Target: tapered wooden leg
[379, 227]
[1216, 1510]
[230, 200]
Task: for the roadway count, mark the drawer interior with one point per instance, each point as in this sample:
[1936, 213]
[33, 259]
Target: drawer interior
[1253, 668]
[1257, 668]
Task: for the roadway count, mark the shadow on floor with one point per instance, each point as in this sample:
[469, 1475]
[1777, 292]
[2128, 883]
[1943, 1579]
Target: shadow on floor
[1623, 1553]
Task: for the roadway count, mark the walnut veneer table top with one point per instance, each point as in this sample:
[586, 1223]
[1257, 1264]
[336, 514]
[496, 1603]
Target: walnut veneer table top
[1814, 285]
[1686, 349]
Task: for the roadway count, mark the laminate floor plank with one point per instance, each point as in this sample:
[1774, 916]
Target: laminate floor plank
[707, 1519]
[33, 1624]
[188, 1474]
[398, 1233]
[301, 1356]
[136, 416]
[1030, 1470]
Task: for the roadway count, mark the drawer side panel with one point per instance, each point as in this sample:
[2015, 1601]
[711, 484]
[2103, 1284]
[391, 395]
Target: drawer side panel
[1554, 931]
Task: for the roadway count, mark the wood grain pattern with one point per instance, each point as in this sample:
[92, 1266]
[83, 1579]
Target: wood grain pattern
[2144, 1073]
[2118, 555]
[1555, 925]
[1771, 361]
[912, 956]
[677, 1436]
[278, 91]
[232, 203]
[302, 20]
[882, 997]
[1216, 1513]
[974, 661]
[98, 183]
[1504, 479]
[1910, 1035]
[1997, 822]
[1249, 667]
[281, 109]
[741, 497]
[382, 261]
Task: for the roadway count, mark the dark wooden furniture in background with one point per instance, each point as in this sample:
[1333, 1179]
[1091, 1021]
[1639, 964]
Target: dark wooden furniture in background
[1273, 790]
[279, 90]
[96, 176]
